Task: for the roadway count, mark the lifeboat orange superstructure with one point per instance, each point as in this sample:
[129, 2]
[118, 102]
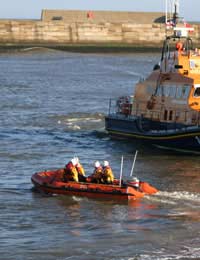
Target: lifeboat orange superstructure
[165, 107]
[174, 87]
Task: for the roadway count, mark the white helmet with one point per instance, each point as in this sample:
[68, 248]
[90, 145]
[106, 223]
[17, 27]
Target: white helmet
[135, 179]
[73, 161]
[105, 163]
[77, 159]
[136, 182]
[97, 164]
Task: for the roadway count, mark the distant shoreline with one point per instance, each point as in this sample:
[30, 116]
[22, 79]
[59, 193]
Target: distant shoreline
[82, 48]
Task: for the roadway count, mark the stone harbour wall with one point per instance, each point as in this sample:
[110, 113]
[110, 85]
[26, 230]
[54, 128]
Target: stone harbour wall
[49, 31]
[63, 33]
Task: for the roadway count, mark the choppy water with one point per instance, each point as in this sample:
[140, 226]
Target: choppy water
[52, 106]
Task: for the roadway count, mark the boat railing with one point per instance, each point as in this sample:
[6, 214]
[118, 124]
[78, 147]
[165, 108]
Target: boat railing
[121, 107]
[165, 118]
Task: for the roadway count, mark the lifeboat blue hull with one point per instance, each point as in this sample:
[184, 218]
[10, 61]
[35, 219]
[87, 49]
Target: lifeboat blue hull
[164, 135]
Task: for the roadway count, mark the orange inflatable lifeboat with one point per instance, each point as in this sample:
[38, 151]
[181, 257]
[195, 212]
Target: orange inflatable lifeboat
[50, 182]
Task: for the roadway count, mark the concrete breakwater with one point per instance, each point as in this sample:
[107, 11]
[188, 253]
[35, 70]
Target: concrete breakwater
[62, 28]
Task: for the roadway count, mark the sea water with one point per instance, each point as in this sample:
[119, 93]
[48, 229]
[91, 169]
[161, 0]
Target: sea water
[52, 107]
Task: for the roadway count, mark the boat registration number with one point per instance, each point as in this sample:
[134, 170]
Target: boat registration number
[84, 187]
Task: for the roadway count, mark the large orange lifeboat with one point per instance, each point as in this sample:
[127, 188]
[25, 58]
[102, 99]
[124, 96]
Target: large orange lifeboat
[165, 111]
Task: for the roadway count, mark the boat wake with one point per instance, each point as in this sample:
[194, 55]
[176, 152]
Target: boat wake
[81, 121]
[188, 253]
[182, 198]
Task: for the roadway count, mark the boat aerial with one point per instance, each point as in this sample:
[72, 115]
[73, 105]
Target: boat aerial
[50, 182]
[164, 109]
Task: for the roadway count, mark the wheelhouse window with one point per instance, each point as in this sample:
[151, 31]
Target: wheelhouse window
[197, 92]
[182, 92]
[179, 92]
[167, 90]
[172, 91]
[186, 91]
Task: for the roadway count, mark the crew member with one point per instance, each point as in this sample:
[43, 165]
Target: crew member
[97, 175]
[108, 176]
[80, 170]
[71, 173]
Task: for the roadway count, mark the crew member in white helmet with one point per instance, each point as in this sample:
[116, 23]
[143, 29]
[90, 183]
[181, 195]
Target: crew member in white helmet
[108, 176]
[70, 171]
[97, 173]
[80, 170]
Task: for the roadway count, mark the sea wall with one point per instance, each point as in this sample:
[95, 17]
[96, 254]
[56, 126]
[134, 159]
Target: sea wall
[59, 32]
[50, 31]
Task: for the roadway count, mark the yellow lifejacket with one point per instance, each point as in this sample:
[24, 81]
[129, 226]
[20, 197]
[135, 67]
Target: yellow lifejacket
[80, 169]
[108, 174]
[97, 174]
[71, 173]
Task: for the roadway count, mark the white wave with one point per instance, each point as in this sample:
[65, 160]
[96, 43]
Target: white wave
[82, 119]
[157, 198]
[186, 253]
[73, 119]
[180, 195]
[74, 127]
[176, 197]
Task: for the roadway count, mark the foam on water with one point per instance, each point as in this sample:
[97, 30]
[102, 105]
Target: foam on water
[177, 197]
[82, 121]
[185, 254]
[180, 195]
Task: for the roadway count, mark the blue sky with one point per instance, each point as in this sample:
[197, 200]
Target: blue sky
[31, 9]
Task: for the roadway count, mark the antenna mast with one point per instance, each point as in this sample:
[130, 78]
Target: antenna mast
[171, 12]
[176, 12]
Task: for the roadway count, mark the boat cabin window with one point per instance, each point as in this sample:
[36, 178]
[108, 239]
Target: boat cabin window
[185, 91]
[160, 91]
[197, 92]
[170, 115]
[172, 91]
[167, 91]
[180, 92]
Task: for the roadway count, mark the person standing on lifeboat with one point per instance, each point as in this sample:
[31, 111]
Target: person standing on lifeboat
[80, 170]
[70, 171]
[97, 175]
[108, 176]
